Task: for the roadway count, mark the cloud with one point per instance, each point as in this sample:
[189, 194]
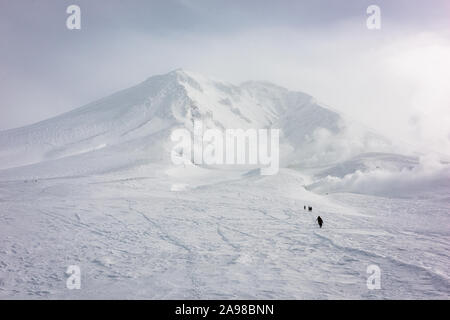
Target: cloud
[425, 179]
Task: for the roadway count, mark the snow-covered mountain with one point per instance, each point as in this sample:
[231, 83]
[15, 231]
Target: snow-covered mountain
[96, 188]
[133, 126]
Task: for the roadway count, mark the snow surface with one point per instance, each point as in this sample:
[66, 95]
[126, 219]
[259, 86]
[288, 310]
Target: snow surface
[96, 188]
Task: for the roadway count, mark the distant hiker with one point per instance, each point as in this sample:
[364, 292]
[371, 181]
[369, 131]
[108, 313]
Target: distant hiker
[319, 221]
[304, 207]
[309, 208]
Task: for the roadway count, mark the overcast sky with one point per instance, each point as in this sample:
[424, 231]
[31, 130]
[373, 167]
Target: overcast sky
[396, 79]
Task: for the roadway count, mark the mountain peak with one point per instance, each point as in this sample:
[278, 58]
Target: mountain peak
[179, 72]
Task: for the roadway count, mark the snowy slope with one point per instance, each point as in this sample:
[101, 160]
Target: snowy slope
[96, 188]
[249, 238]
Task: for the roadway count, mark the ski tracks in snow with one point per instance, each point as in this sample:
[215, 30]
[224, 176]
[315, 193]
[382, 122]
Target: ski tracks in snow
[219, 241]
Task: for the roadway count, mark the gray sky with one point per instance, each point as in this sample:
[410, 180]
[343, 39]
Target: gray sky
[395, 80]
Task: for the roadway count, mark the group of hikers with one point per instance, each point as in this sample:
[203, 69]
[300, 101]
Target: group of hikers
[319, 219]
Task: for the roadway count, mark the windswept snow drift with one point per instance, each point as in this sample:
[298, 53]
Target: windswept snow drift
[96, 188]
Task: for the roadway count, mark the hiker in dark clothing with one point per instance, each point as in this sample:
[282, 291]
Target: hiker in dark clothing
[304, 207]
[320, 221]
